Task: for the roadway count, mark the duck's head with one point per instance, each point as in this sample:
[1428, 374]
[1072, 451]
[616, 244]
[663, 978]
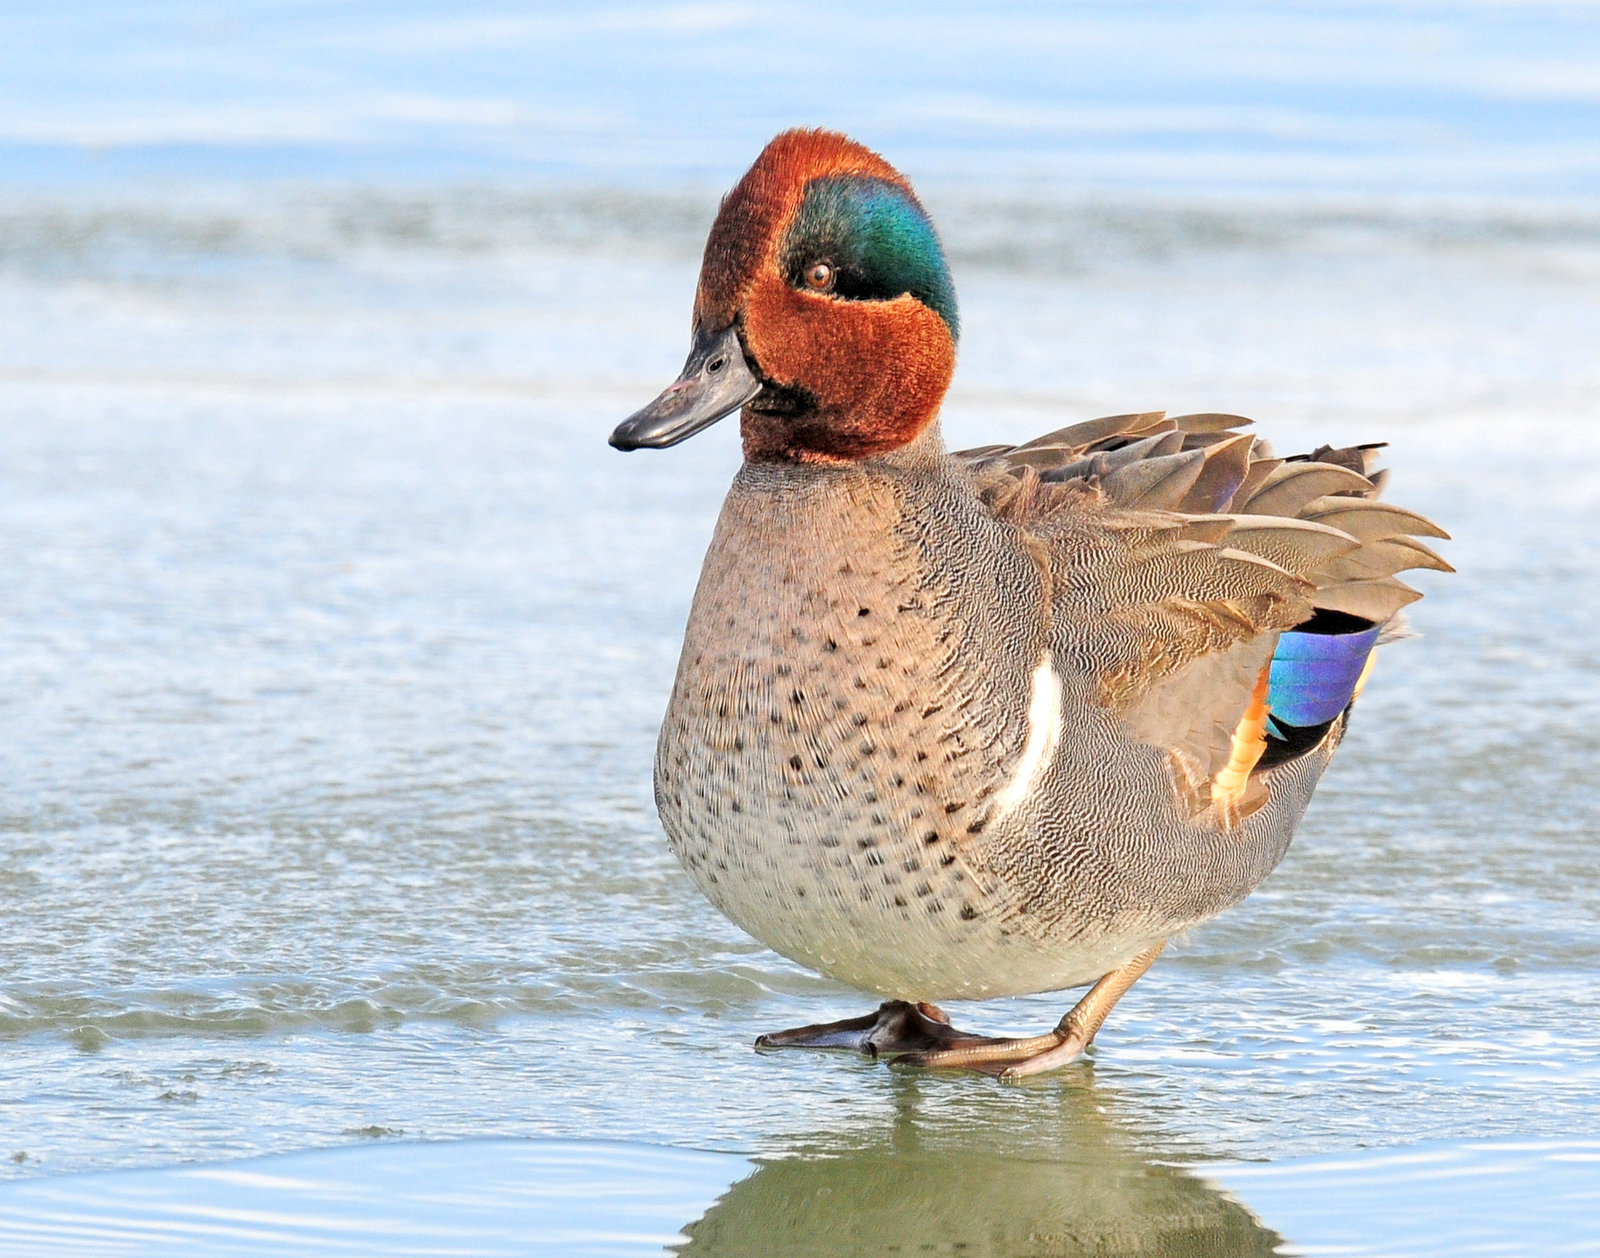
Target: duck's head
[824, 310]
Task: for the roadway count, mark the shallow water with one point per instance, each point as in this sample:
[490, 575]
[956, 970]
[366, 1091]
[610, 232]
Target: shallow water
[336, 640]
[493, 1197]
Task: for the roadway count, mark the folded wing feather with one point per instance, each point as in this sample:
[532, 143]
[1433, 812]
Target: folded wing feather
[1180, 548]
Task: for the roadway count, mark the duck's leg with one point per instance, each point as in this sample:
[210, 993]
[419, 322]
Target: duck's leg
[898, 1027]
[1011, 1059]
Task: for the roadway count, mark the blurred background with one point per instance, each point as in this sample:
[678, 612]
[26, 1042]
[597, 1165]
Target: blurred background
[333, 639]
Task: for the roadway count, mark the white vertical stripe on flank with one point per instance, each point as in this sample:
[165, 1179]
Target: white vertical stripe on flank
[1044, 732]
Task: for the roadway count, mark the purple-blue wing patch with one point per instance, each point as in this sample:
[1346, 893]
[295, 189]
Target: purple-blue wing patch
[1314, 675]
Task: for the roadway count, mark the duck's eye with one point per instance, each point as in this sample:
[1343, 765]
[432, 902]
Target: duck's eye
[819, 277]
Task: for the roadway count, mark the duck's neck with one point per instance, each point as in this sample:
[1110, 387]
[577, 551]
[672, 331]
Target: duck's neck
[911, 441]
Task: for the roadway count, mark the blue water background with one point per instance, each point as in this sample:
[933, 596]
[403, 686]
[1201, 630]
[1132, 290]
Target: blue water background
[1396, 100]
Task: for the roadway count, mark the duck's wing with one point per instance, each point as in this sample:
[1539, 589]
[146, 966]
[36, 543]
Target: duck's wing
[1180, 549]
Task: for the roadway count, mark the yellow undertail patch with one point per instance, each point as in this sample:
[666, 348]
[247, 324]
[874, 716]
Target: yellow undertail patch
[1366, 671]
[1231, 795]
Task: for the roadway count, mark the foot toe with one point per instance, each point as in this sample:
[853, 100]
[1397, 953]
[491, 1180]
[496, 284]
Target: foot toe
[1068, 1051]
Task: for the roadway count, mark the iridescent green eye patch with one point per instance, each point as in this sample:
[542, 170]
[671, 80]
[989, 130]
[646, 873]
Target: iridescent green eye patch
[878, 240]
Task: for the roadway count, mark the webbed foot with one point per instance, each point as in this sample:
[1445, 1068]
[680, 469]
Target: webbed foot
[920, 1035]
[1015, 1059]
[899, 1027]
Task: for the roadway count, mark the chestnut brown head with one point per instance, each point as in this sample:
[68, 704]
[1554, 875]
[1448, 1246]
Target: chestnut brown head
[824, 310]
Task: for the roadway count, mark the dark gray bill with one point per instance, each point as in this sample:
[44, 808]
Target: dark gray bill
[715, 382]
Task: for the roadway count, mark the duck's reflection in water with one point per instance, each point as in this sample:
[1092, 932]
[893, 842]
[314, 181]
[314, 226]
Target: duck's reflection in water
[921, 1189]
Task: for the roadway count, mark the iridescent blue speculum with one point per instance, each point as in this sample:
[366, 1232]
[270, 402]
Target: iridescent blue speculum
[1314, 675]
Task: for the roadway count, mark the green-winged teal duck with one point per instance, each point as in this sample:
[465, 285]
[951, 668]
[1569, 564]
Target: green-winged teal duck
[997, 721]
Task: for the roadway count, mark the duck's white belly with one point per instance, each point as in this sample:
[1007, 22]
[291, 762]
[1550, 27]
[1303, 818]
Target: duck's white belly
[825, 885]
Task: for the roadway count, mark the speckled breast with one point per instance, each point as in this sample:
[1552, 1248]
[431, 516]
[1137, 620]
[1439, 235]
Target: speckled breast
[843, 715]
